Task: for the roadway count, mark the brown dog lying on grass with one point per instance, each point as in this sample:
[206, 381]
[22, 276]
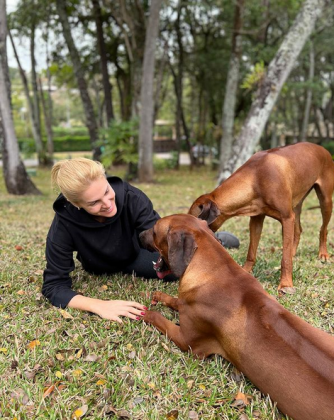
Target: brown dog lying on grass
[224, 310]
[274, 183]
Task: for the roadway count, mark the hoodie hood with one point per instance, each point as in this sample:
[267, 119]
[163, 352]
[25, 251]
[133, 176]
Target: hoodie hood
[67, 211]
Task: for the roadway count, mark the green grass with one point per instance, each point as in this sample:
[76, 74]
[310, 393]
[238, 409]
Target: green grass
[114, 370]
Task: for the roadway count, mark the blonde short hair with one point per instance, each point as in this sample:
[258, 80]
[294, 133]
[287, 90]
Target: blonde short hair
[73, 176]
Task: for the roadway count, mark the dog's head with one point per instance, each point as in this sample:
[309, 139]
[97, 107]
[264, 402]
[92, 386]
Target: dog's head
[205, 208]
[174, 237]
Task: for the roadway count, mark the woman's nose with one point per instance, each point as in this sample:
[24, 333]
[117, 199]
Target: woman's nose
[106, 202]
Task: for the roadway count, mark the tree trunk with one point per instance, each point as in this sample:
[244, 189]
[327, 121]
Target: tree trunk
[48, 105]
[34, 127]
[159, 93]
[79, 74]
[16, 178]
[107, 87]
[124, 92]
[231, 89]
[145, 164]
[35, 102]
[271, 85]
[48, 124]
[308, 103]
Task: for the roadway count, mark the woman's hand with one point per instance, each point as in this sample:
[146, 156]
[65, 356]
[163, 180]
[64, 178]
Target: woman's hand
[109, 309]
[113, 309]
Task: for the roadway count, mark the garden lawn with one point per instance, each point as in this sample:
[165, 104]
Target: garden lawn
[69, 364]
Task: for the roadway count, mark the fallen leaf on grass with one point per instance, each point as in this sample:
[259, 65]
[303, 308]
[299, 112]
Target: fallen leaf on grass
[51, 331]
[165, 347]
[91, 358]
[102, 343]
[33, 344]
[137, 400]
[109, 410]
[65, 314]
[20, 395]
[157, 395]
[14, 365]
[80, 412]
[30, 374]
[172, 415]
[151, 385]
[240, 400]
[236, 375]
[101, 382]
[78, 354]
[123, 414]
[243, 417]
[3, 350]
[60, 357]
[77, 373]
[49, 390]
[132, 354]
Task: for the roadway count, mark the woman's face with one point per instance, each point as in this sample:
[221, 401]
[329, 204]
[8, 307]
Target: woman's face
[99, 199]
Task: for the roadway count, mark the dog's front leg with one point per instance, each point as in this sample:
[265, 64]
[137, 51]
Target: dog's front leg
[167, 300]
[166, 327]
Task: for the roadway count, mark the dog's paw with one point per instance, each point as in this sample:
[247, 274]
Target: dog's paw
[156, 297]
[286, 291]
[323, 256]
[150, 316]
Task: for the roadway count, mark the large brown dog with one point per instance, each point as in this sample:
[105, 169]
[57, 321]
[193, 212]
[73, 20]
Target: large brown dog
[224, 310]
[274, 183]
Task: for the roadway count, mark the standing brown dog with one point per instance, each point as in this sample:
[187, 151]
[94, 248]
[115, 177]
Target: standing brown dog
[224, 310]
[274, 183]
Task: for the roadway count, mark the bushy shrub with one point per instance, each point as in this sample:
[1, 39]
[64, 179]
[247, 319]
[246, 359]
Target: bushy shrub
[61, 144]
[120, 144]
[330, 147]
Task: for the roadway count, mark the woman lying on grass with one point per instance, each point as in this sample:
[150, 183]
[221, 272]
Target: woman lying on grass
[100, 218]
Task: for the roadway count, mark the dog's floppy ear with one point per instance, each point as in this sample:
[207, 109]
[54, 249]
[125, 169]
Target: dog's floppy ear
[181, 248]
[209, 211]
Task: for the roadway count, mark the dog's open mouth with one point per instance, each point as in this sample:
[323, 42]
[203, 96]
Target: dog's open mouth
[161, 268]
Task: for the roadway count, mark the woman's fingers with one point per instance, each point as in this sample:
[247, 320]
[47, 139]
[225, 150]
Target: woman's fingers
[114, 309]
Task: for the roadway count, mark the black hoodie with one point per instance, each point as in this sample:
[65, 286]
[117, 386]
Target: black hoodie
[106, 247]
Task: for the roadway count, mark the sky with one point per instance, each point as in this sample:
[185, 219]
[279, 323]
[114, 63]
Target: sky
[22, 47]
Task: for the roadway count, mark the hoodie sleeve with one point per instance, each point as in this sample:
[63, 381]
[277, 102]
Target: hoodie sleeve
[57, 281]
[142, 213]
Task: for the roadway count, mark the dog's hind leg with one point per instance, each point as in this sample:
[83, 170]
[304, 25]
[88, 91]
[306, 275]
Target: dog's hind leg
[298, 227]
[324, 193]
